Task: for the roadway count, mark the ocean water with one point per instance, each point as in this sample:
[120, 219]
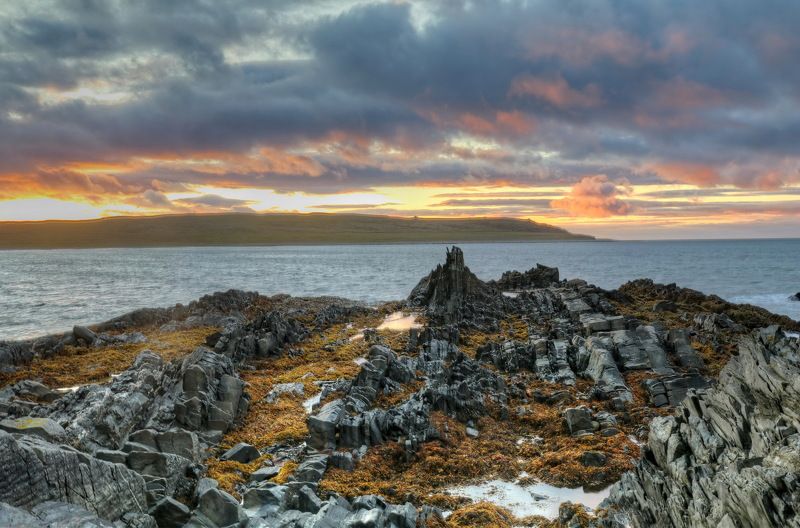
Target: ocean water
[49, 291]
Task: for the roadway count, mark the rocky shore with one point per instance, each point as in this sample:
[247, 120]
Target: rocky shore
[240, 410]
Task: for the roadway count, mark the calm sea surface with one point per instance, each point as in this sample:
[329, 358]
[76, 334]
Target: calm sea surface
[48, 291]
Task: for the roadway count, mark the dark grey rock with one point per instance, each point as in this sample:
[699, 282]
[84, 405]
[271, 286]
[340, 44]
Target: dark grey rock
[35, 471]
[594, 459]
[265, 500]
[84, 334]
[539, 276]
[63, 515]
[267, 335]
[451, 292]
[509, 356]
[103, 416]
[366, 519]
[307, 500]
[728, 457]
[604, 371]
[17, 518]
[290, 389]
[170, 513]
[115, 457]
[578, 420]
[687, 356]
[714, 323]
[220, 508]
[265, 473]
[203, 485]
[145, 437]
[665, 306]
[311, 468]
[241, 452]
[42, 427]
[322, 426]
[179, 442]
[342, 460]
[404, 516]
[34, 390]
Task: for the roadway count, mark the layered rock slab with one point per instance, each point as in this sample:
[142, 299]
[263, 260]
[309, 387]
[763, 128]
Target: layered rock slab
[730, 455]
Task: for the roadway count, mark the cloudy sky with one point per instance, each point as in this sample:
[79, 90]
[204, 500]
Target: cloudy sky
[619, 118]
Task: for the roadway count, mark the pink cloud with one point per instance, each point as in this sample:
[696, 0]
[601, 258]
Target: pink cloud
[597, 197]
[555, 91]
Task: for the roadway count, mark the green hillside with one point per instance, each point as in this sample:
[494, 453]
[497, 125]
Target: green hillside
[269, 229]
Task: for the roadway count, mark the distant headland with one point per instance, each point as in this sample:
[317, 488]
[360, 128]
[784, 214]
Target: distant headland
[270, 229]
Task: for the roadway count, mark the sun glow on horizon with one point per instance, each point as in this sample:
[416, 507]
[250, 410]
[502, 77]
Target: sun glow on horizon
[669, 210]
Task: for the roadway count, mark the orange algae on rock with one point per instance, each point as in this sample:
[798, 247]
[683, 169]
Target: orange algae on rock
[82, 365]
[481, 515]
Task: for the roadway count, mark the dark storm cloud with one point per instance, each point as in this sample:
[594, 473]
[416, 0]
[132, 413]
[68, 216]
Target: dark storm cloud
[641, 90]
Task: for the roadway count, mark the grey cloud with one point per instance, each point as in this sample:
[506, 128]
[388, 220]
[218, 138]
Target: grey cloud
[619, 84]
[214, 200]
[495, 202]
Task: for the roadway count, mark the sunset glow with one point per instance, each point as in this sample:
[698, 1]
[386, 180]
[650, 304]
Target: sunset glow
[619, 120]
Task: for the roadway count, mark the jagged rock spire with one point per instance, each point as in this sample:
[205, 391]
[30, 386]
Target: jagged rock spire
[448, 287]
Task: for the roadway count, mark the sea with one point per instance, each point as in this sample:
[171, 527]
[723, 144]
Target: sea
[47, 291]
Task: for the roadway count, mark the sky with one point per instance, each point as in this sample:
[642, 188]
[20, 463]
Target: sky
[616, 118]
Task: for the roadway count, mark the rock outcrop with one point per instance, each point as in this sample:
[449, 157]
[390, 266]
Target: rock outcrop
[221, 309]
[451, 292]
[265, 336]
[202, 393]
[463, 390]
[730, 456]
[33, 471]
[537, 277]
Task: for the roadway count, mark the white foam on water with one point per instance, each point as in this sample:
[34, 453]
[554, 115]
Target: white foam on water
[534, 499]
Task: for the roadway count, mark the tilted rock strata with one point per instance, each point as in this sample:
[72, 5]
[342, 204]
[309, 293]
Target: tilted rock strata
[33, 471]
[730, 456]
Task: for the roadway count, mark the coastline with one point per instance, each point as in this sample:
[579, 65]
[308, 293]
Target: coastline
[331, 403]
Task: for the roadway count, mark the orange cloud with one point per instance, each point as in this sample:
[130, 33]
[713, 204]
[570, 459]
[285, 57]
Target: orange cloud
[63, 184]
[501, 123]
[694, 173]
[516, 122]
[476, 124]
[555, 91]
[595, 197]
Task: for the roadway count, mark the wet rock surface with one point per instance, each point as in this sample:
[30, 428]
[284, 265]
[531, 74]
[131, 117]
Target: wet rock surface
[306, 412]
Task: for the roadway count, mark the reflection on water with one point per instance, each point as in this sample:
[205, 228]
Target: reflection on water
[399, 321]
[535, 499]
[309, 404]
